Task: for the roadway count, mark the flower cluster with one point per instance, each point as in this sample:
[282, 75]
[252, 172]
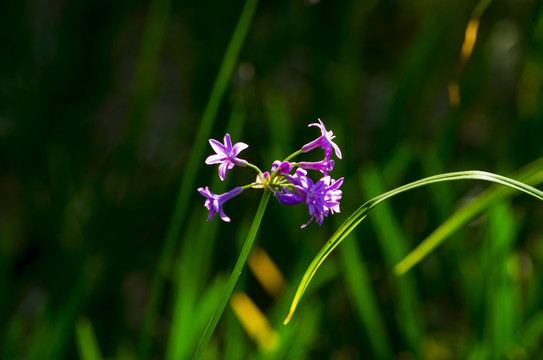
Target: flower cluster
[288, 180]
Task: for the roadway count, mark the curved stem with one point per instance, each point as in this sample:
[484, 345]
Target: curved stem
[293, 155]
[186, 187]
[233, 277]
[363, 211]
[254, 167]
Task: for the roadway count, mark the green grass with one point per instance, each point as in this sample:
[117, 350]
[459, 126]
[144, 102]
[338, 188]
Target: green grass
[105, 113]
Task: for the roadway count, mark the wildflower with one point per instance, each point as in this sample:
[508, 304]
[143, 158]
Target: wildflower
[226, 155]
[214, 202]
[333, 195]
[281, 168]
[323, 166]
[321, 197]
[287, 198]
[324, 141]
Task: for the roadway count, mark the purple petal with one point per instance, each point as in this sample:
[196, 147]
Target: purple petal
[239, 147]
[223, 168]
[218, 147]
[228, 144]
[288, 198]
[336, 148]
[214, 159]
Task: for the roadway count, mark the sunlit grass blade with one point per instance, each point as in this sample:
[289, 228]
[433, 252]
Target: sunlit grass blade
[394, 246]
[470, 37]
[233, 277]
[86, 340]
[304, 334]
[194, 257]
[187, 185]
[364, 299]
[532, 174]
[363, 211]
[500, 297]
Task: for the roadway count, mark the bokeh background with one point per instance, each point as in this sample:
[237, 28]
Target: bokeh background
[106, 107]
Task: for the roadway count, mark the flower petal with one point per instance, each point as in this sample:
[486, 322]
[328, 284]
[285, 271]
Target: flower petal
[228, 144]
[218, 147]
[239, 147]
[214, 159]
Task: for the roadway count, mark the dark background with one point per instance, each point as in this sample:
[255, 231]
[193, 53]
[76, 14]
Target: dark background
[98, 119]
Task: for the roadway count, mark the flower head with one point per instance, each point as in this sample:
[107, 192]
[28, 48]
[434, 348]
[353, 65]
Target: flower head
[214, 202]
[324, 141]
[320, 197]
[226, 155]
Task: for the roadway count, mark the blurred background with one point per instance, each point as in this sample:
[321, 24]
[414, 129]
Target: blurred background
[106, 108]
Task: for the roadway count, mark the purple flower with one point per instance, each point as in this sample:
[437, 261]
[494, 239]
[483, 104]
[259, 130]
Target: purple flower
[281, 168]
[214, 202]
[321, 198]
[226, 155]
[287, 198]
[324, 166]
[324, 141]
[333, 195]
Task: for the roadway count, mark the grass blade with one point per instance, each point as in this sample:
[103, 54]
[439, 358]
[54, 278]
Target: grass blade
[533, 174]
[86, 340]
[359, 215]
[501, 317]
[233, 277]
[394, 246]
[187, 184]
[194, 257]
[364, 299]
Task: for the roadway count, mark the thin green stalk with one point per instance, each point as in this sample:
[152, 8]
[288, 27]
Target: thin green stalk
[146, 68]
[87, 344]
[364, 300]
[462, 216]
[233, 277]
[363, 211]
[187, 185]
[394, 246]
[194, 257]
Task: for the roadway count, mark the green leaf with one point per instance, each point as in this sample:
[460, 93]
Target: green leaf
[359, 215]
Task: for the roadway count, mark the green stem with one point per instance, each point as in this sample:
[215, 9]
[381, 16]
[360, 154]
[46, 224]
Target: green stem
[233, 277]
[187, 187]
[363, 211]
[254, 167]
[293, 155]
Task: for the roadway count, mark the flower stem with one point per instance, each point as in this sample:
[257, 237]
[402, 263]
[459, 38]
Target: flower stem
[254, 167]
[293, 155]
[233, 277]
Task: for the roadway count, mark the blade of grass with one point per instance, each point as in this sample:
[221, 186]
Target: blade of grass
[305, 334]
[234, 344]
[364, 299]
[195, 257]
[531, 175]
[359, 215]
[394, 246]
[87, 345]
[146, 68]
[187, 184]
[61, 322]
[501, 316]
[233, 277]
